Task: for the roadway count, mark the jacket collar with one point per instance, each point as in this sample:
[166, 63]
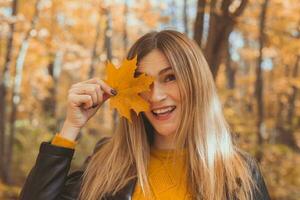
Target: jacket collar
[125, 193]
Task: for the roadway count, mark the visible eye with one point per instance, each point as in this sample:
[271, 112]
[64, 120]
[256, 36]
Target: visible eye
[170, 77]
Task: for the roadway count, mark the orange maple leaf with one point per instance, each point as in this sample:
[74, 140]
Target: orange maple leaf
[128, 88]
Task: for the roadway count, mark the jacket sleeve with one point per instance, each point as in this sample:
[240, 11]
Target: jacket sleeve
[49, 173]
[49, 179]
[260, 191]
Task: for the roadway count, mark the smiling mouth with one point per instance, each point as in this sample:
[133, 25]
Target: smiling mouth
[163, 112]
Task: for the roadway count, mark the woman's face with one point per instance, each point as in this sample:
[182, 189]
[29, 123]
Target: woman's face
[163, 97]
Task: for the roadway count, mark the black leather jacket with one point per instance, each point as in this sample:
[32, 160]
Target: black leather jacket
[49, 179]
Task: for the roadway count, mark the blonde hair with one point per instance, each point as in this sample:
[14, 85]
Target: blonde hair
[215, 168]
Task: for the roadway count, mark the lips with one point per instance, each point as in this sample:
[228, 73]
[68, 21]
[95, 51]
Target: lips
[163, 110]
[163, 115]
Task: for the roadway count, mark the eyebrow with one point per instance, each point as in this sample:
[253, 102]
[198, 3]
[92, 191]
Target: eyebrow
[161, 71]
[165, 70]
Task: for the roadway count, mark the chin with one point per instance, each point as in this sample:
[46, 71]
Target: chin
[164, 131]
[162, 127]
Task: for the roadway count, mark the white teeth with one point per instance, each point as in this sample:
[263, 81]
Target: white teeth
[164, 110]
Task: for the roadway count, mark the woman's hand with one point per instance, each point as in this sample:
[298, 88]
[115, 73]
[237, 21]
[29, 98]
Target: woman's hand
[84, 99]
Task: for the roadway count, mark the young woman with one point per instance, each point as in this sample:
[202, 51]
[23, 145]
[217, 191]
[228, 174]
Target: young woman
[180, 149]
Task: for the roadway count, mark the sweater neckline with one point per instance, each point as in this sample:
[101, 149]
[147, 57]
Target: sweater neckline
[167, 153]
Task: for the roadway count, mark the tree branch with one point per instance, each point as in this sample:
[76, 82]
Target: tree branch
[240, 9]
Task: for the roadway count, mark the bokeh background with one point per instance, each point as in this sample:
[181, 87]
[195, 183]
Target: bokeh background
[252, 47]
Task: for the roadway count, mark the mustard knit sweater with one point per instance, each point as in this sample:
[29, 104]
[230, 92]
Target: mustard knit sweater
[166, 176]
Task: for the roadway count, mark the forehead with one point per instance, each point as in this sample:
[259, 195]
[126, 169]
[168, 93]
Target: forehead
[153, 63]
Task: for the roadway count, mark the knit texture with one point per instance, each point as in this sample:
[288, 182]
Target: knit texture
[167, 177]
[63, 142]
[167, 173]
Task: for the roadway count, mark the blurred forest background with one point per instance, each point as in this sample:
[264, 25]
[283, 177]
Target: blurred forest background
[252, 46]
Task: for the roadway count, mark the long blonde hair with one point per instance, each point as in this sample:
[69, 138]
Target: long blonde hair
[215, 168]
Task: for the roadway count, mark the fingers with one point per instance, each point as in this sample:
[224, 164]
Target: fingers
[106, 88]
[83, 99]
[97, 90]
[88, 89]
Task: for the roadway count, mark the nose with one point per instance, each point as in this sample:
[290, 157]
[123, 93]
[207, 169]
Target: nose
[157, 93]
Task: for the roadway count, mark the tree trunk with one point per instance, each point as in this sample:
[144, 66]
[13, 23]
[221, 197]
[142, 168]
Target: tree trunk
[199, 22]
[185, 17]
[108, 35]
[284, 127]
[230, 70]
[94, 51]
[293, 97]
[221, 24]
[125, 33]
[4, 81]
[49, 104]
[259, 81]
[16, 92]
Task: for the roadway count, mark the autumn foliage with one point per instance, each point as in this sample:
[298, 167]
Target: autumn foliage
[252, 46]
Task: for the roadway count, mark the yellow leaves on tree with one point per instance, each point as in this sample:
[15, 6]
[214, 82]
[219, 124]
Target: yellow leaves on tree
[128, 88]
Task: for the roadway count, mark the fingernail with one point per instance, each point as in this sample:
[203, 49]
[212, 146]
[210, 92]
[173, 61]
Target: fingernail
[113, 92]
